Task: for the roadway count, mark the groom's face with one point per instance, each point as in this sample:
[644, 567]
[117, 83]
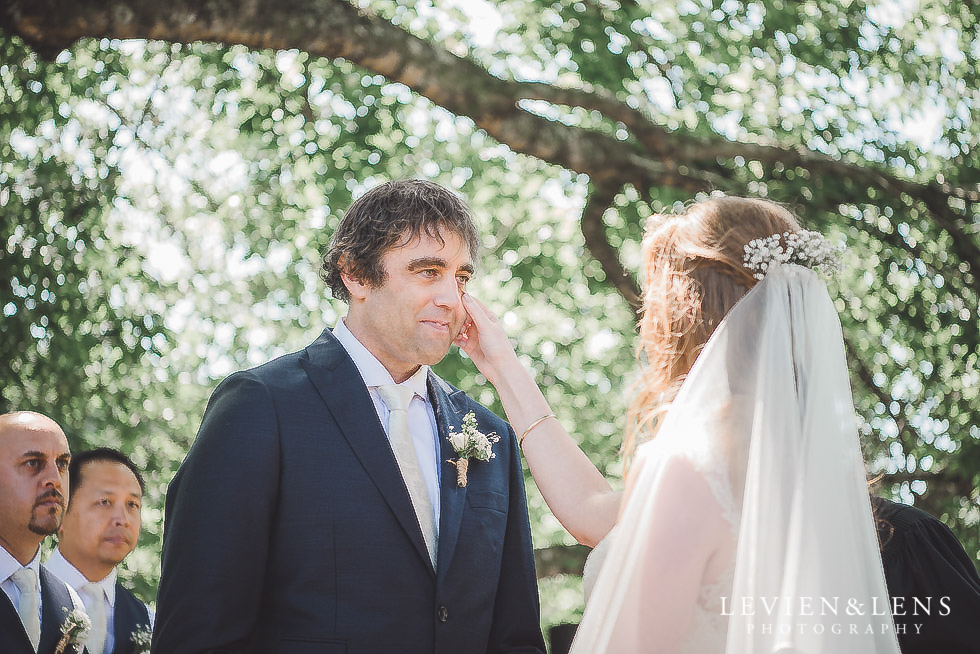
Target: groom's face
[414, 316]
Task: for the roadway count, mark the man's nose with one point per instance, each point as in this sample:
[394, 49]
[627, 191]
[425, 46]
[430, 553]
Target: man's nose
[449, 295]
[54, 477]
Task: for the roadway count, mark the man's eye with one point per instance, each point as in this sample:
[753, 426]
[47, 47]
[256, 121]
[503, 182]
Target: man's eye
[429, 272]
[104, 502]
[134, 505]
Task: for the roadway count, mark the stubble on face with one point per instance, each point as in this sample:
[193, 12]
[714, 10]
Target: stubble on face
[47, 513]
[412, 318]
[34, 461]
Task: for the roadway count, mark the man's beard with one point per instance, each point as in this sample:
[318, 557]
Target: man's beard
[48, 522]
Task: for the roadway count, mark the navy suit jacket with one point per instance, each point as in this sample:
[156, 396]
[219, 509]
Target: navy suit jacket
[55, 605]
[129, 616]
[289, 528]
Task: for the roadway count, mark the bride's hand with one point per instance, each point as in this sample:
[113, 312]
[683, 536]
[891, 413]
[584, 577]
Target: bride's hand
[484, 340]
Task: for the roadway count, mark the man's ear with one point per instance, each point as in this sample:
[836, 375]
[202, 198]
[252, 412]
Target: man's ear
[356, 288]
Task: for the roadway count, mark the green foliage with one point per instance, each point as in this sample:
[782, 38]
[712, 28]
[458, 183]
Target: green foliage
[226, 171]
[883, 85]
[163, 207]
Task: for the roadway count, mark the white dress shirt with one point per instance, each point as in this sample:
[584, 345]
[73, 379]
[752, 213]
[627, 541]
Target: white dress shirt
[421, 414]
[61, 568]
[8, 566]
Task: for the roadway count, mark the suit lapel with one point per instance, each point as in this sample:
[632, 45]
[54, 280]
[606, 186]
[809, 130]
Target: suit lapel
[129, 615]
[56, 604]
[448, 405]
[341, 388]
[13, 636]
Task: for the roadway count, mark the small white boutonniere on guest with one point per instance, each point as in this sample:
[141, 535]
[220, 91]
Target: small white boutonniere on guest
[141, 640]
[471, 443]
[74, 631]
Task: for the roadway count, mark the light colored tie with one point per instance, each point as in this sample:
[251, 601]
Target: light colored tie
[30, 603]
[397, 398]
[94, 598]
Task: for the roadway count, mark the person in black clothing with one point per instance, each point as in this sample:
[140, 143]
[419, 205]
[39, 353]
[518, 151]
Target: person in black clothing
[933, 583]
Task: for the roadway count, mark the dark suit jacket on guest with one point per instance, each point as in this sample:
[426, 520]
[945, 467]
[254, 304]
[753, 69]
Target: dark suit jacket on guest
[933, 578]
[130, 615]
[55, 605]
[289, 528]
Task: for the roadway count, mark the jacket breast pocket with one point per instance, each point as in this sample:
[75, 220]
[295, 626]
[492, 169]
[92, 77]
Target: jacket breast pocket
[487, 500]
[311, 646]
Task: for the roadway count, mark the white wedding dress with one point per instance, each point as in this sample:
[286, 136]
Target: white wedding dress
[747, 527]
[709, 627]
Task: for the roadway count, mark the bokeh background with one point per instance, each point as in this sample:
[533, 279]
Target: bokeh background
[170, 172]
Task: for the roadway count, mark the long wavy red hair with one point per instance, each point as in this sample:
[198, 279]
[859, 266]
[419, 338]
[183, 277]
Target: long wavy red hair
[693, 274]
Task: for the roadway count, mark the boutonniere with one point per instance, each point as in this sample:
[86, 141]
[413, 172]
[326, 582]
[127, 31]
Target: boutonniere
[141, 640]
[471, 443]
[74, 630]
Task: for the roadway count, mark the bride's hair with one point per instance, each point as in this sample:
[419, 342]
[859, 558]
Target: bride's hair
[693, 275]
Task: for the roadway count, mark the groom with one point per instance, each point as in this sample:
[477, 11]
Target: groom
[316, 511]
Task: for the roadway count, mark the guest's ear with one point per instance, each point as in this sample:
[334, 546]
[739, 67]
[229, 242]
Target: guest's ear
[356, 288]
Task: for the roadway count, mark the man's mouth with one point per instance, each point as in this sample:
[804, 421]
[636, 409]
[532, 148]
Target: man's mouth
[49, 500]
[440, 325]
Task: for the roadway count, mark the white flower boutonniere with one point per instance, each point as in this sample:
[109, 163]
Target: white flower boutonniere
[141, 640]
[74, 630]
[471, 443]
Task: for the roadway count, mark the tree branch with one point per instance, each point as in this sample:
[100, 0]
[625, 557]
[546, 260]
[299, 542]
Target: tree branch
[335, 28]
[654, 138]
[596, 241]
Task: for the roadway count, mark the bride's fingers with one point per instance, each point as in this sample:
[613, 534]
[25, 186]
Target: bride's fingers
[477, 309]
[464, 334]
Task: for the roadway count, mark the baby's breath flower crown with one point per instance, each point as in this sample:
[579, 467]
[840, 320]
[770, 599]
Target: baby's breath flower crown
[804, 248]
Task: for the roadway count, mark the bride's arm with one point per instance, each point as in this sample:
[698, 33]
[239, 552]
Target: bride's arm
[664, 551]
[577, 493]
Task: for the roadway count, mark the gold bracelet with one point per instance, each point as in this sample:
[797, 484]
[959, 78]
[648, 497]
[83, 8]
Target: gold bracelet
[520, 441]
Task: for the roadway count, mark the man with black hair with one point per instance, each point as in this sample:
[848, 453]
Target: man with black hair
[100, 529]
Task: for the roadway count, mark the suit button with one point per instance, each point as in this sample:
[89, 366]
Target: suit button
[442, 613]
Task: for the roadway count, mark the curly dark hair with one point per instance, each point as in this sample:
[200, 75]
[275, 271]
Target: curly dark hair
[389, 216]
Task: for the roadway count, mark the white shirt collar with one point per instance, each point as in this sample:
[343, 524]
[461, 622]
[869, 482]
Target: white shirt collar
[373, 371]
[9, 565]
[61, 568]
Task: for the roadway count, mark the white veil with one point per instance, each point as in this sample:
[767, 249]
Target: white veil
[765, 420]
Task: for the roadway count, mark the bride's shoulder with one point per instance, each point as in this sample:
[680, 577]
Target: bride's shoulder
[668, 469]
[692, 454]
[694, 479]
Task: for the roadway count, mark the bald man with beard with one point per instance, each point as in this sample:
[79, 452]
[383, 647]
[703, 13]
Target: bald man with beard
[34, 604]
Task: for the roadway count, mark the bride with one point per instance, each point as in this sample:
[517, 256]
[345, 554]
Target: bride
[746, 525]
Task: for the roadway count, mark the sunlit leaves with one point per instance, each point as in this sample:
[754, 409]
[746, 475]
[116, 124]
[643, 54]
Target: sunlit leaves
[164, 207]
